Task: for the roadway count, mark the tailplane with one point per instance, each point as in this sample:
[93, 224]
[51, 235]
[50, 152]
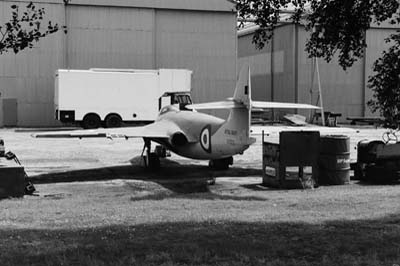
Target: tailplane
[240, 106]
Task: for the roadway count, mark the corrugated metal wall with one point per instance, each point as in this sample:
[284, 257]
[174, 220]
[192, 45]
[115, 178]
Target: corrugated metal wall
[342, 91]
[284, 67]
[261, 65]
[109, 37]
[203, 42]
[122, 37]
[28, 77]
[203, 5]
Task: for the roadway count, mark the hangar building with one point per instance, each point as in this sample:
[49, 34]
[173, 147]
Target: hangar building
[142, 34]
[282, 70]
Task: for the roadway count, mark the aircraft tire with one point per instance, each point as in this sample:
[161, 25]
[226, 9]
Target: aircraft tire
[211, 182]
[221, 164]
[91, 121]
[153, 161]
[113, 120]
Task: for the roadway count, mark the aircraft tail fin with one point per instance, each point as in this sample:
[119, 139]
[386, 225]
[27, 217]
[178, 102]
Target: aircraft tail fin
[242, 92]
[238, 122]
[241, 97]
[240, 118]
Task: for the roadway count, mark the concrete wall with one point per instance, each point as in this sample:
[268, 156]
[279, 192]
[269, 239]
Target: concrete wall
[147, 34]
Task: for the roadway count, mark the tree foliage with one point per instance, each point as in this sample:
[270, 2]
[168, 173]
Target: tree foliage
[336, 26]
[386, 84]
[340, 26]
[24, 29]
[263, 13]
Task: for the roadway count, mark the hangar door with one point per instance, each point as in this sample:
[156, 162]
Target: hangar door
[10, 112]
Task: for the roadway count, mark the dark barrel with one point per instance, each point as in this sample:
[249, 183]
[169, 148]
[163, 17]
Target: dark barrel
[367, 149]
[334, 160]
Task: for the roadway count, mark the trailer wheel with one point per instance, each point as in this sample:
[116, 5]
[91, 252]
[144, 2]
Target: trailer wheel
[113, 120]
[91, 121]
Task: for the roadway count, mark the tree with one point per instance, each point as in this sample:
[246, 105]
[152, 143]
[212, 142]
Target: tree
[24, 29]
[338, 27]
[386, 84]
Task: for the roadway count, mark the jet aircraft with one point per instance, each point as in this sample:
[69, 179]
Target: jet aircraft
[194, 134]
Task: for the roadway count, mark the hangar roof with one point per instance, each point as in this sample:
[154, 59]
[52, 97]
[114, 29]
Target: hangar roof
[202, 5]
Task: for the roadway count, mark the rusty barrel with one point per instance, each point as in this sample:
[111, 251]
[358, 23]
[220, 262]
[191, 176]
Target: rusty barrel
[334, 160]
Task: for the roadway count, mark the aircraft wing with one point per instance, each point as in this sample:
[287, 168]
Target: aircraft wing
[280, 105]
[159, 129]
[228, 104]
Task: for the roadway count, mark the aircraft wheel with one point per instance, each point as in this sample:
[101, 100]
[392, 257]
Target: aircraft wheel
[221, 164]
[211, 181]
[152, 161]
[91, 121]
[113, 120]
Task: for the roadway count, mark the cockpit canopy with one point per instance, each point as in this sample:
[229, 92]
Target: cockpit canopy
[169, 108]
[183, 99]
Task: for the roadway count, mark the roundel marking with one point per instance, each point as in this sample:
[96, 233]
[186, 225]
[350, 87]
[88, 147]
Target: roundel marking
[205, 138]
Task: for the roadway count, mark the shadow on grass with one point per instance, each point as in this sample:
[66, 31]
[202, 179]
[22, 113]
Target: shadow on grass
[170, 170]
[259, 187]
[205, 195]
[180, 180]
[360, 242]
[378, 182]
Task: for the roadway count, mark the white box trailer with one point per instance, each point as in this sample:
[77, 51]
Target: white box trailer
[109, 97]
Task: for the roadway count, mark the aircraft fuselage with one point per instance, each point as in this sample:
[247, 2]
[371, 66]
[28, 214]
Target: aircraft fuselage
[214, 138]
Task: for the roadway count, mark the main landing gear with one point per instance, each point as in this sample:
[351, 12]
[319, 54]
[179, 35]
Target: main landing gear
[152, 159]
[221, 164]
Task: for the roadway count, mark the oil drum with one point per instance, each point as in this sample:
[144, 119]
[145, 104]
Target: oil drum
[334, 160]
[367, 150]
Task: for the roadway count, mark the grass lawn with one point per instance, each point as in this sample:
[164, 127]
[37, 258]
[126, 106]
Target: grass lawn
[374, 242]
[235, 222]
[122, 215]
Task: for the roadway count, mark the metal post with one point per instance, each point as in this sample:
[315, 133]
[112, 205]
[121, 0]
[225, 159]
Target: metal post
[312, 87]
[66, 52]
[320, 92]
[272, 74]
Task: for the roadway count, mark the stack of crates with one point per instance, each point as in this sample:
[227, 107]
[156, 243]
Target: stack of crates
[293, 163]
